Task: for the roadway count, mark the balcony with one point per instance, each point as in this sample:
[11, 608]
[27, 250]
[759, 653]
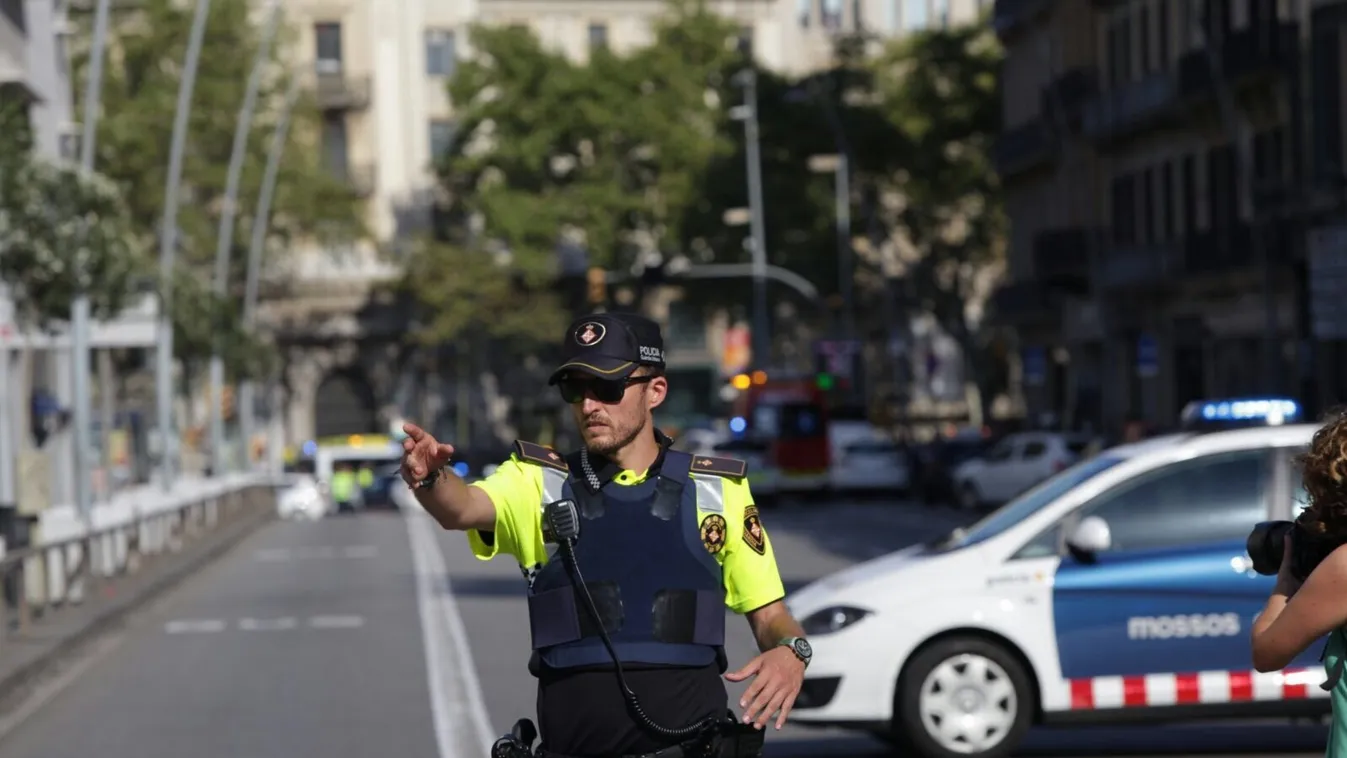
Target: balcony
[1065, 98]
[1010, 16]
[339, 91]
[1062, 258]
[1025, 147]
[1024, 303]
[360, 178]
[1124, 267]
[1245, 55]
[1131, 108]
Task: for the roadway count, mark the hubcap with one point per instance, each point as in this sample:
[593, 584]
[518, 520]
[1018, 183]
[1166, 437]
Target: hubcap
[968, 704]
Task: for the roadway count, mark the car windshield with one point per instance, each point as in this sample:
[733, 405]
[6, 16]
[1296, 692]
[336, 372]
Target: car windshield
[1029, 503]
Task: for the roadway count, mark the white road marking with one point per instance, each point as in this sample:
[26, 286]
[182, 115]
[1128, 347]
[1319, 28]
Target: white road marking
[326, 551]
[336, 622]
[195, 626]
[456, 699]
[320, 552]
[268, 625]
[273, 555]
[360, 551]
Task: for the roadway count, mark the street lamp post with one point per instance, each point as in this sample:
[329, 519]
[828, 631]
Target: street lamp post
[255, 248]
[168, 244]
[79, 309]
[226, 235]
[748, 113]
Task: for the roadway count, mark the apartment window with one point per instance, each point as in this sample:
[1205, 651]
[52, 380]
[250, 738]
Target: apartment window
[1268, 155]
[1188, 193]
[442, 133]
[744, 40]
[1144, 37]
[1149, 196]
[832, 14]
[327, 42]
[13, 10]
[1162, 11]
[336, 153]
[1215, 18]
[1123, 199]
[598, 36]
[804, 9]
[1222, 186]
[441, 52]
[915, 15]
[1169, 228]
[1119, 51]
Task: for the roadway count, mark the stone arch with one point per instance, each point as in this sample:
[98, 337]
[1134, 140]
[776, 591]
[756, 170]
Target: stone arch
[344, 404]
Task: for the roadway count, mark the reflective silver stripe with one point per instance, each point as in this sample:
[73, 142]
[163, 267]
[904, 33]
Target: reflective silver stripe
[553, 481]
[710, 494]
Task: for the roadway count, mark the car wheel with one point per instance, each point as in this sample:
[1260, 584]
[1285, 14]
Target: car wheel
[969, 498]
[963, 696]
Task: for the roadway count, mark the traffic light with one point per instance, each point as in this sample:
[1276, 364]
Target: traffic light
[598, 286]
[825, 381]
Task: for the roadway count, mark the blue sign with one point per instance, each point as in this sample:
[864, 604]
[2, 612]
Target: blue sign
[1035, 360]
[1148, 356]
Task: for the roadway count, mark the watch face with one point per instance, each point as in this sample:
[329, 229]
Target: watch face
[803, 649]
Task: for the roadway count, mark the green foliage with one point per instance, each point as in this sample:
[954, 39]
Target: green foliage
[612, 151]
[941, 92]
[201, 318]
[141, 79]
[61, 232]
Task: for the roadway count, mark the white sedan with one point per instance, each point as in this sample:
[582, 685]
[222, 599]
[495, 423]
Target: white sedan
[872, 464]
[1015, 464]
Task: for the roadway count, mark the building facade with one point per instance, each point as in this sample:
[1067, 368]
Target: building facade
[1156, 255]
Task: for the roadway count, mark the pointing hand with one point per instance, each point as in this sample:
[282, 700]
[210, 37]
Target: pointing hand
[422, 454]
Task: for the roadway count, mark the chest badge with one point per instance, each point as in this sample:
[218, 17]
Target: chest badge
[754, 536]
[713, 533]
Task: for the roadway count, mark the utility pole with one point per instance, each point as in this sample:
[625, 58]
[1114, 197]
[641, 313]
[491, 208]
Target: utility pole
[748, 113]
[225, 240]
[255, 247]
[168, 245]
[80, 315]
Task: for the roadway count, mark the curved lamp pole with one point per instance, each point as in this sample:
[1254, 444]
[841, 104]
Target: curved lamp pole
[168, 245]
[261, 222]
[226, 236]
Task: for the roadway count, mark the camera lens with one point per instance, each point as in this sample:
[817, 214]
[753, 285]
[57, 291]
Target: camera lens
[1265, 545]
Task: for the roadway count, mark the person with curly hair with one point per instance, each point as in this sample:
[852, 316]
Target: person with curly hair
[1309, 599]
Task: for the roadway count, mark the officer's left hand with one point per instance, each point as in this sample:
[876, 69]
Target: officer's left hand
[779, 676]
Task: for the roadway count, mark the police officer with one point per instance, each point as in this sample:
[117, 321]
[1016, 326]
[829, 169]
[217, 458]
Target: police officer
[666, 541]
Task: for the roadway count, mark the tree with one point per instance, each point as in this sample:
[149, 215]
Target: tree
[610, 153]
[940, 90]
[142, 72]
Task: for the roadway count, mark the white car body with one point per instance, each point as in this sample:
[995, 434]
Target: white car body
[876, 463]
[1015, 464]
[918, 597]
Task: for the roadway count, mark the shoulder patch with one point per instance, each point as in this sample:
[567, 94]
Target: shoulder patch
[539, 454]
[732, 467]
[753, 534]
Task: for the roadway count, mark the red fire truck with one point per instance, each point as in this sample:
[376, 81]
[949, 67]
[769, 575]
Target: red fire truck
[790, 416]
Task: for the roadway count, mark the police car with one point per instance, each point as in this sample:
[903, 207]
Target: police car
[1118, 589]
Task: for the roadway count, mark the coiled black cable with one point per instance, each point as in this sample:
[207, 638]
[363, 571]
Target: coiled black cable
[567, 550]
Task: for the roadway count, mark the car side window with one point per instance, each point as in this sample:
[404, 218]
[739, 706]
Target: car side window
[1208, 499]
[1299, 497]
[1001, 452]
[1033, 450]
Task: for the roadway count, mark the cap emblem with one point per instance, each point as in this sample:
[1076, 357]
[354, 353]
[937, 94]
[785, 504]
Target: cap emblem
[590, 334]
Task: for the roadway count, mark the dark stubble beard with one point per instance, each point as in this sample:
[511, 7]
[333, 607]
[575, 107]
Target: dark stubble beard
[626, 439]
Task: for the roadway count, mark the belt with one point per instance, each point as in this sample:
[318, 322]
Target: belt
[674, 751]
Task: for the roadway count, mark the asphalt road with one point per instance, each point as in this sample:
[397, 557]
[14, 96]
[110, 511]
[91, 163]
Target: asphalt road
[344, 638]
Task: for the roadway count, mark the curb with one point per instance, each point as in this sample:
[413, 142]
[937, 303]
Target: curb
[21, 682]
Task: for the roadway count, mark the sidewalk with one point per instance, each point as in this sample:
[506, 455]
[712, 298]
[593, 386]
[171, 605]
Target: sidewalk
[29, 657]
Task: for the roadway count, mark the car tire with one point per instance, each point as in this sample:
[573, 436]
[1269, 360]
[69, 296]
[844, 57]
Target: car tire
[969, 497]
[992, 693]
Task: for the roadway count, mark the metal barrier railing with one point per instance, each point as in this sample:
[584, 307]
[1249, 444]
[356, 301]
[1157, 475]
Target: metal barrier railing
[41, 580]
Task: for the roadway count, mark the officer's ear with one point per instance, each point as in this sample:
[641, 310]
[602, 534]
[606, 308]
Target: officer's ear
[656, 390]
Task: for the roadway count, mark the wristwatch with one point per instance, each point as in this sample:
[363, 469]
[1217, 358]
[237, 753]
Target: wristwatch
[430, 480]
[800, 646]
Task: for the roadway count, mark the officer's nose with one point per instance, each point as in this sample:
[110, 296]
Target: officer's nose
[590, 404]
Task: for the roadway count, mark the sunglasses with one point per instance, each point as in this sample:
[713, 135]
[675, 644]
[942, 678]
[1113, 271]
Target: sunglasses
[609, 391]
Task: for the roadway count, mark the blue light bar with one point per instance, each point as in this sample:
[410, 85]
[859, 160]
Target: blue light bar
[460, 468]
[1271, 411]
[738, 425]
